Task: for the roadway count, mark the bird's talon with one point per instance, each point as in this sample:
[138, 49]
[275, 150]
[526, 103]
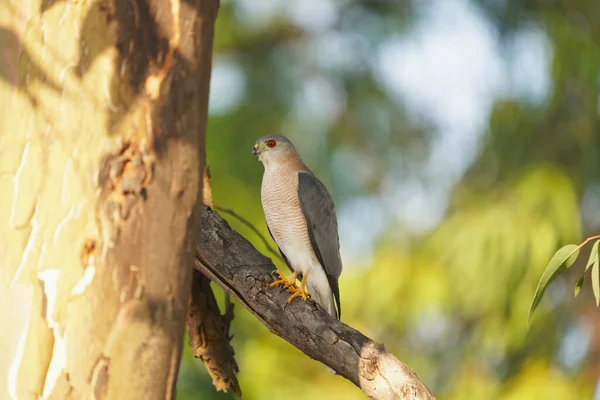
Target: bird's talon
[290, 284]
[283, 281]
[298, 291]
[277, 273]
[277, 283]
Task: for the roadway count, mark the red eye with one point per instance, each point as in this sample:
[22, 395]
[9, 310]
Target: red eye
[271, 143]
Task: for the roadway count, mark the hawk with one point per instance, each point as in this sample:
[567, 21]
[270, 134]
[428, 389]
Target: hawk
[301, 218]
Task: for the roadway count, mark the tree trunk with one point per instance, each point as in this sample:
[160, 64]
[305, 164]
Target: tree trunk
[103, 106]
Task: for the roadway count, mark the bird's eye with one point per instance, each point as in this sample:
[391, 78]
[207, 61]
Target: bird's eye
[271, 143]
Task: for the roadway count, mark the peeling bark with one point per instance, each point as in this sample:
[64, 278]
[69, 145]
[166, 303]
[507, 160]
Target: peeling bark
[208, 329]
[233, 263]
[209, 335]
[104, 107]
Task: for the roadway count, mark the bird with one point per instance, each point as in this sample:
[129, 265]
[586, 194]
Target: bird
[301, 219]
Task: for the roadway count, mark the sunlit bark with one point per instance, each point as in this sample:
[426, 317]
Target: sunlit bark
[103, 111]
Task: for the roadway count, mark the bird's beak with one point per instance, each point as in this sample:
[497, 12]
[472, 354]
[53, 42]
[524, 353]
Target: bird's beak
[255, 151]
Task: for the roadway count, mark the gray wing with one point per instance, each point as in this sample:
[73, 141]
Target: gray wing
[321, 220]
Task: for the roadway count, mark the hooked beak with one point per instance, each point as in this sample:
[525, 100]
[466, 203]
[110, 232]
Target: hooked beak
[255, 151]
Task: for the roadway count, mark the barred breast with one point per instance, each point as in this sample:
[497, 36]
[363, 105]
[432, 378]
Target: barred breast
[285, 219]
[279, 195]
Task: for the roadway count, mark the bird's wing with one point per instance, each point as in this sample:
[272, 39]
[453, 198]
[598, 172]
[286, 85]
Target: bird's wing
[321, 221]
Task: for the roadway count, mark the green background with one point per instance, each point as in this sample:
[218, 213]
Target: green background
[460, 142]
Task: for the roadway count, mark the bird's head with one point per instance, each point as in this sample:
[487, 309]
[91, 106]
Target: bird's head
[274, 149]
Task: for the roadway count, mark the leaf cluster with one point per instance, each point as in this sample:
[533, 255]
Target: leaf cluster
[562, 260]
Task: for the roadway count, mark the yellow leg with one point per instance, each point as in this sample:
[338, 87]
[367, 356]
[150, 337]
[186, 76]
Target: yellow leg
[299, 292]
[285, 282]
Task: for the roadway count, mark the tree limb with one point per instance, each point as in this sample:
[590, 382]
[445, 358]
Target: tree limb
[208, 329]
[209, 335]
[234, 264]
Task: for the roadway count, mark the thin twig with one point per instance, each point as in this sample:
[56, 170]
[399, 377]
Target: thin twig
[252, 227]
[586, 241]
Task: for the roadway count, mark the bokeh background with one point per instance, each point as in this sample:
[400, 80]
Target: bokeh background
[459, 139]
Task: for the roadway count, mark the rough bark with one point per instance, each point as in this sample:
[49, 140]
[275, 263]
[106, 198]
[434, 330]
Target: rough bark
[209, 335]
[103, 106]
[208, 329]
[233, 263]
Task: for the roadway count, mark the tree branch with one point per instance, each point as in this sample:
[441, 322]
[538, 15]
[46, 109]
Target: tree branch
[208, 329]
[209, 335]
[234, 264]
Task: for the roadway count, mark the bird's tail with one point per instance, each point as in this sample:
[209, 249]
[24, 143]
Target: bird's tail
[322, 294]
[326, 301]
[329, 305]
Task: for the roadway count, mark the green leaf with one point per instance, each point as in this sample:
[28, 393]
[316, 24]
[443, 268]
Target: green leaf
[579, 285]
[596, 280]
[593, 259]
[593, 256]
[572, 258]
[568, 252]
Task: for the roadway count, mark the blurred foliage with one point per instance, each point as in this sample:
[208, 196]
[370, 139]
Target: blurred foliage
[448, 294]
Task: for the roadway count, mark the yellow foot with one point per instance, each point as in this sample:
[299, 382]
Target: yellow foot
[285, 282]
[299, 291]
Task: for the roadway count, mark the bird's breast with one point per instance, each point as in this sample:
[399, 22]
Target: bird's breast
[285, 219]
